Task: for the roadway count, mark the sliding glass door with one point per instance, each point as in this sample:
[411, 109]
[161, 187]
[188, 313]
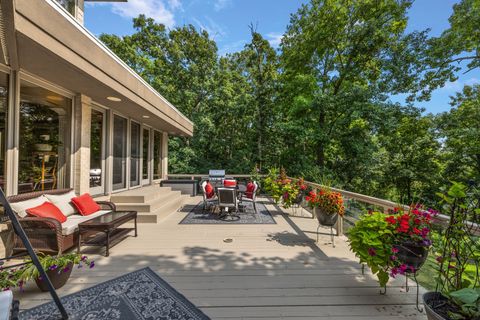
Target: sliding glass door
[146, 156]
[44, 136]
[97, 152]
[119, 168]
[134, 154]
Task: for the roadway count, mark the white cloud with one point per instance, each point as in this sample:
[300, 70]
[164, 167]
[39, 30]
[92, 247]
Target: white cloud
[457, 85]
[162, 11]
[231, 47]
[214, 29]
[274, 38]
[219, 5]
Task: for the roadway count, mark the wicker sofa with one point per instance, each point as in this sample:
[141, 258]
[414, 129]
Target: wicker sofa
[46, 234]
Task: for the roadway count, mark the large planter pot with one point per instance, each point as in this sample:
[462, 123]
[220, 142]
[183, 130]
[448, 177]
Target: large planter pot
[412, 254]
[435, 303]
[324, 219]
[58, 278]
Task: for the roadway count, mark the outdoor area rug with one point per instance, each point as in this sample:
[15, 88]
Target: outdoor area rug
[141, 294]
[196, 215]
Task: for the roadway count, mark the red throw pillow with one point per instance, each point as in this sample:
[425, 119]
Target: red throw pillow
[250, 190]
[85, 204]
[47, 210]
[229, 183]
[209, 192]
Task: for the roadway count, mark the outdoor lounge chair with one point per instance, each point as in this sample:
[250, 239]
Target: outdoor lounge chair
[48, 235]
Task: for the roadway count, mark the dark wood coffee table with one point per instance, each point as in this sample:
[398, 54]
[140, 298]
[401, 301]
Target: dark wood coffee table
[105, 231]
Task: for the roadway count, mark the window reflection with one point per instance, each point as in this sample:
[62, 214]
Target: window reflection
[96, 149]
[3, 126]
[157, 155]
[44, 139]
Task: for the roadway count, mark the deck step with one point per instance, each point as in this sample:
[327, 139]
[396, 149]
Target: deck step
[152, 203]
[141, 195]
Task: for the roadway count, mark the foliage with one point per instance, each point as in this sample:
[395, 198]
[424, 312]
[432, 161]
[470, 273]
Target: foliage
[376, 237]
[61, 263]
[460, 131]
[413, 226]
[320, 106]
[371, 239]
[280, 188]
[11, 278]
[469, 301]
[330, 202]
[458, 247]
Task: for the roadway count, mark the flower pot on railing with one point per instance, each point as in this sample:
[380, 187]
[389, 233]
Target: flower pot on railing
[58, 277]
[412, 254]
[325, 219]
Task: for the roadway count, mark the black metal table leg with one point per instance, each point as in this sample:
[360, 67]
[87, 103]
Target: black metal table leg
[136, 227]
[107, 253]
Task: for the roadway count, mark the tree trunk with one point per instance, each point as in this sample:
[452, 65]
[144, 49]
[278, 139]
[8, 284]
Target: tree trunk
[321, 142]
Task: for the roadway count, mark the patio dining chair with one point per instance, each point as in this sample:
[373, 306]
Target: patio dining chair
[250, 195]
[209, 198]
[227, 201]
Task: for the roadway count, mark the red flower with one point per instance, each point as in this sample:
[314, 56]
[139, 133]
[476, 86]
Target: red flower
[416, 231]
[391, 220]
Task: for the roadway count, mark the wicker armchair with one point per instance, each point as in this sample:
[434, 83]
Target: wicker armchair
[45, 234]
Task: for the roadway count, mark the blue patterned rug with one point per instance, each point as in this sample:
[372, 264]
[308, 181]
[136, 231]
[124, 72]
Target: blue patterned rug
[196, 215]
[137, 295]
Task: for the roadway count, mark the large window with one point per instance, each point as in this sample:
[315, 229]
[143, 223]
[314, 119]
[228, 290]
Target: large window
[3, 126]
[119, 180]
[44, 149]
[145, 155]
[157, 155]
[134, 154]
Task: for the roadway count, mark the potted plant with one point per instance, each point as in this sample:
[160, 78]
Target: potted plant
[457, 295]
[392, 244]
[10, 278]
[58, 269]
[280, 187]
[328, 205]
[412, 234]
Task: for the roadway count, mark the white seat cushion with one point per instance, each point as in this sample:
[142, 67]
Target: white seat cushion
[21, 206]
[71, 225]
[62, 201]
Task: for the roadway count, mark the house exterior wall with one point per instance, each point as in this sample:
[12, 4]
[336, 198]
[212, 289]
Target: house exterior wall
[59, 55]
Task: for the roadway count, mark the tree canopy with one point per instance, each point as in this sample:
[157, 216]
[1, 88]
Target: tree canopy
[320, 104]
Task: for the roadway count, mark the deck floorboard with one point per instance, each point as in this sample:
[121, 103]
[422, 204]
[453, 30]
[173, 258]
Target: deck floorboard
[267, 272]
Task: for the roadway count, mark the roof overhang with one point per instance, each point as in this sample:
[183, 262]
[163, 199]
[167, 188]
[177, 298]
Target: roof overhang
[53, 45]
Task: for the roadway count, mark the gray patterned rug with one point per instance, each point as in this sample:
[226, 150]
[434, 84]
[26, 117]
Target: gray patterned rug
[196, 215]
[140, 294]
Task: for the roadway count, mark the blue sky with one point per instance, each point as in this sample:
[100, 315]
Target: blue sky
[227, 22]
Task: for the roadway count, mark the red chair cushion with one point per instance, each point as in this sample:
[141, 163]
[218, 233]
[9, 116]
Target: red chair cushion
[85, 204]
[229, 183]
[47, 210]
[250, 190]
[209, 192]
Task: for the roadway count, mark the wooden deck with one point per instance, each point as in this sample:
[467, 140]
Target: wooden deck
[266, 272]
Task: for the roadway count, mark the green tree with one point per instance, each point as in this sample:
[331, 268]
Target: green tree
[460, 131]
[340, 59]
[412, 166]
